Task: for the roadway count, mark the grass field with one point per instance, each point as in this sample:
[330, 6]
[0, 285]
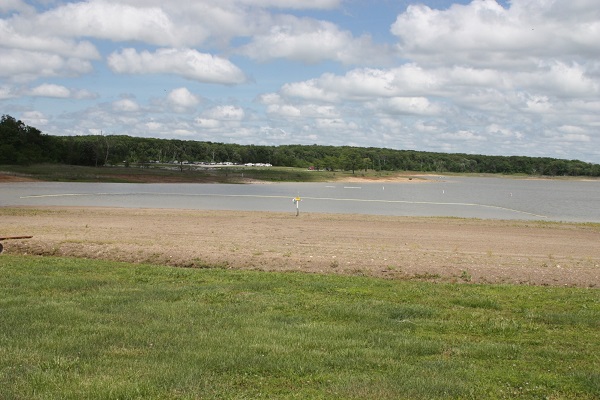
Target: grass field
[74, 328]
[172, 173]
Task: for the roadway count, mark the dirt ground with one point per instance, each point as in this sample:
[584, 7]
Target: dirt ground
[435, 249]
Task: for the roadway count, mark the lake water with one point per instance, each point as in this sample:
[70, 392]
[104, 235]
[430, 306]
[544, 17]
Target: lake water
[469, 197]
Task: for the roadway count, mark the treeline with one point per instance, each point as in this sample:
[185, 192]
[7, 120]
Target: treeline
[21, 144]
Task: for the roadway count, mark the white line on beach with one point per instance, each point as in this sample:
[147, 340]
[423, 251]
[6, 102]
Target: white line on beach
[429, 203]
[287, 197]
[38, 196]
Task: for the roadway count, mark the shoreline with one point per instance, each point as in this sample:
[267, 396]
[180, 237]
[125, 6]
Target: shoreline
[392, 177]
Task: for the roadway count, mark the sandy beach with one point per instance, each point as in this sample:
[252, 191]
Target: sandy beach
[433, 249]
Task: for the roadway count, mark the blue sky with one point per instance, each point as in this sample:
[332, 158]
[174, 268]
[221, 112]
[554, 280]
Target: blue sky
[516, 77]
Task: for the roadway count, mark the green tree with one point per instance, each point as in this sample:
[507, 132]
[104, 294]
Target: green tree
[22, 144]
[350, 159]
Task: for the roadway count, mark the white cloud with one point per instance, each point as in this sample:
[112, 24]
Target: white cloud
[269, 98]
[225, 113]
[154, 126]
[110, 20]
[221, 117]
[422, 126]
[294, 4]
[336, 124]
[21, 66]
[35, 118]
[181, 24]
[11, 37]
[496, 130]
[207, 123]
[7, 6]
[364, 84]
[50, 90]
[538, 104]
[311, 41]
[563, 80]
[309, 90]
[462, 135]
[303, 111]
[484, 34]
[405, 106]
[182, 100]
[126, 105]
[187, 63]
[59, 92]
[576, 137]
[7, 92]
[284, 110]
[576, 132]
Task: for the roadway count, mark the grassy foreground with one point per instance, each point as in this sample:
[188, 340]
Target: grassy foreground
[72, 329]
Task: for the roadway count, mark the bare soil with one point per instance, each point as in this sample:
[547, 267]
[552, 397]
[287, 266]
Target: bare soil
[8, 178]
[434, 249]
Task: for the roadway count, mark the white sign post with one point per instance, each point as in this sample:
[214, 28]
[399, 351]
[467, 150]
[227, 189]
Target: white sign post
[297, 201]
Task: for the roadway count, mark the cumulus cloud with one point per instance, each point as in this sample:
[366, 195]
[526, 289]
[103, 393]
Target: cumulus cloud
[28, 55]
[311, 41]
[462, 135]
[226, 116]
[110, 20]
[309, 90]
[294, 4]
[22, 66]
[182, 24]
[405, 106]
[473, 80]
[367, 83]
[7, 92]
[218, 21]
[182, 100]
[35, 118]
[7, 6]
[187, 63]
[58, 92]
[126, 105]
[50, 90]
[303, 111]
[225, 113]
[483, 33]
[337, 124]
[154, 126]
[12, 37]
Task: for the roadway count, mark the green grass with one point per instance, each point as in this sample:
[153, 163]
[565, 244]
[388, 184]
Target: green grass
[277, 174]
[168, 173]
[172, 173]
[73, 329]
[73, 173]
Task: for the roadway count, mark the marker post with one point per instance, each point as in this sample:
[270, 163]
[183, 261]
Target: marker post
[297, 201]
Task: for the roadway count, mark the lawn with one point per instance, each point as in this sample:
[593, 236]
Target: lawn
[74, 328]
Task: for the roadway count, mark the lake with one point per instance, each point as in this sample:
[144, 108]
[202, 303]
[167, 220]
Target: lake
[468, 197]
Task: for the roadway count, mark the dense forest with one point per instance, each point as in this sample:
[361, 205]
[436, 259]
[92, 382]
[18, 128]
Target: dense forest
[21, 144]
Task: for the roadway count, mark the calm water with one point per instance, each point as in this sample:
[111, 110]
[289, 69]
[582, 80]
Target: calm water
[489, 198]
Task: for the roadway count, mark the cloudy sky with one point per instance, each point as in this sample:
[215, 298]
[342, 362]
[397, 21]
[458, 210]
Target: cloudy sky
[514, 77]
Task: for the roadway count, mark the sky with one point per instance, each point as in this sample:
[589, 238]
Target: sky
[514, 77]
